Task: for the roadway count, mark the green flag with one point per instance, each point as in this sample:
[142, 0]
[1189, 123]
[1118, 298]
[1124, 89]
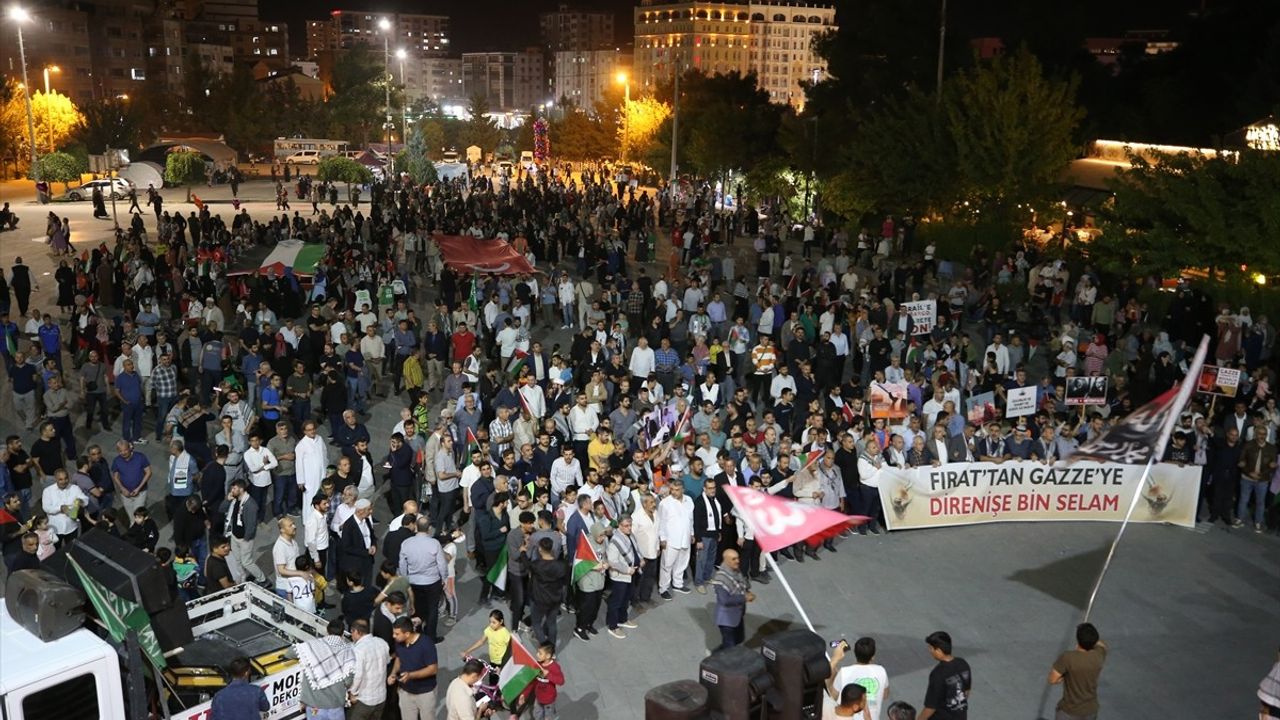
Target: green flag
[473, 301]
[121, 615]
[497, 575]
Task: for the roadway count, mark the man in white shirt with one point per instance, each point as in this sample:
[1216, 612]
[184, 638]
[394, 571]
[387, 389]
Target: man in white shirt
[315, 534]
[782, 381]
[874, 678]
[1001, 353]
[374, 351]
[583, 422]
[259, 461]
[675, 537]
[565, 471]
[311, 458]
[62, 502]
[642, 363]
[284, 555]
[368, 690]
[938, 445]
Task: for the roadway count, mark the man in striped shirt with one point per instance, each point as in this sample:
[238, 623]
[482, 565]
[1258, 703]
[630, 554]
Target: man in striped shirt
[764, 359]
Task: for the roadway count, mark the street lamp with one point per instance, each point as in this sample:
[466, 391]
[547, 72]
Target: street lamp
[401, 54]
[48, 69]
[20, 16]
[385, 26]
[625, 81]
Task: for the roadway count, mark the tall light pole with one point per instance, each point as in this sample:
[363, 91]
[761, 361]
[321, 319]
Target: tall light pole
[20, 16]
[942, 44]
[401, 54]
[625, 81]
[385, 26]
[48, 69]
[675, 129]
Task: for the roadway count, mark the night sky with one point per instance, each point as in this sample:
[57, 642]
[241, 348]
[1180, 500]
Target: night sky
[477, 24]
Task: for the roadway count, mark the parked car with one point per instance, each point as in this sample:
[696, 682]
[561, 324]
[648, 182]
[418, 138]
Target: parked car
[113, 189]
[526, 159]
[304, 157]
[450, 156]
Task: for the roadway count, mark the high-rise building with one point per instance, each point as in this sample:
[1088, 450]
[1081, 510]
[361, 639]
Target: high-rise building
[435, 79]
[583, 76]
[508, 81]
[567, 28]
[774, 40]
[422, 35]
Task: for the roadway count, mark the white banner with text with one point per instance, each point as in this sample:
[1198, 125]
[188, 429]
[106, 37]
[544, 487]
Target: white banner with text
[1019, 491]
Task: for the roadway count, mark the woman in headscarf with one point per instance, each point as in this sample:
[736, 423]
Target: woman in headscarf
[1095, 355]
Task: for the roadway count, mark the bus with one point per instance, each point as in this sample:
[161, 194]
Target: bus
[284, 147]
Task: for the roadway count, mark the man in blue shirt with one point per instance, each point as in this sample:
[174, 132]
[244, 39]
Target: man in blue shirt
[22, 376]
[241, 700]
[130, 471]
[129, 393]
[414, 671]
[51, 340]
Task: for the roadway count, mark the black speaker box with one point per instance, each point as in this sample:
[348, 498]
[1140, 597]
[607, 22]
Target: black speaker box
[798, 664]
[43, 604]
[172, 627]
[679, 700]
[737, 684]
[117, 565]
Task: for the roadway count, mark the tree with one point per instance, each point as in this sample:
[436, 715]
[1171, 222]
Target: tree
[480, 130]
[343, 170]
[14, 140]
[726, 123]
[903, 159]
[578, 136]
[184, 168]
[433, 137]
[415, 161]
[356, 109]
[642, 119]
[111, 123]
[1180, 211]
[56, 118]
[58, 167]
[1012, 130]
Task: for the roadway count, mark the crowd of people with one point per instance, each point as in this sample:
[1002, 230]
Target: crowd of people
[567, 433]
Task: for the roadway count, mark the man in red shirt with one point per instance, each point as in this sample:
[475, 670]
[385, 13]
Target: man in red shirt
[463, 342]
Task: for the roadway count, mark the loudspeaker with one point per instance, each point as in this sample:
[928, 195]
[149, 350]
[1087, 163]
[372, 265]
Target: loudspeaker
[797, 661]
[172, 627]
[46, 606]
[737, 684]
[679, 700]
[117, 564]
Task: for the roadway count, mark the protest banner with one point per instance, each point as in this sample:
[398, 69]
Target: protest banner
[889, 400]
[1020, 401]
[924, 313]
[1087, 390]
[1218, 381]
[973, 493]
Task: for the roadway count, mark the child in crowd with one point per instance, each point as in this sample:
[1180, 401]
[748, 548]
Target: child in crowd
[451, 552]
[498, 637]
[544, 686]
[186, 572]
[143, 533]
[48, 539]
[302, 589]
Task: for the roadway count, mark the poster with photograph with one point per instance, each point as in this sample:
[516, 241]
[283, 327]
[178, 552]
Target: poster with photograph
[889, 400]
[1087, 390]
[1218, 381]
[981, 408]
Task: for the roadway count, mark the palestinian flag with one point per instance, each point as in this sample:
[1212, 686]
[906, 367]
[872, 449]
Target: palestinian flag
[301, 257]
[584, 558]
[678, 438]
[473, 446]
[497, 575]
[7, 518]
[519, 672]
[517, 362]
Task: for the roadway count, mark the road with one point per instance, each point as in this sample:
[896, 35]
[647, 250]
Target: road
[1190, 615]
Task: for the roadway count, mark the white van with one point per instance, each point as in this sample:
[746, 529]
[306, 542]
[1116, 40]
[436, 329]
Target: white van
[71, 678]
[304, 157]
[526, 159]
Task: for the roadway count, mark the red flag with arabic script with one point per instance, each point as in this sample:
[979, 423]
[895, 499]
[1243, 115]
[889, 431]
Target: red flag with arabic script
[780, 523]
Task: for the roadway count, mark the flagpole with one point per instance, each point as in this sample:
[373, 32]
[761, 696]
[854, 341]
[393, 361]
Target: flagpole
[1106, 564]
[768, 558]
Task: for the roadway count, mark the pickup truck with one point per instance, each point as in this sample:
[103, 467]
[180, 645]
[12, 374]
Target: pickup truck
[80, 676]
